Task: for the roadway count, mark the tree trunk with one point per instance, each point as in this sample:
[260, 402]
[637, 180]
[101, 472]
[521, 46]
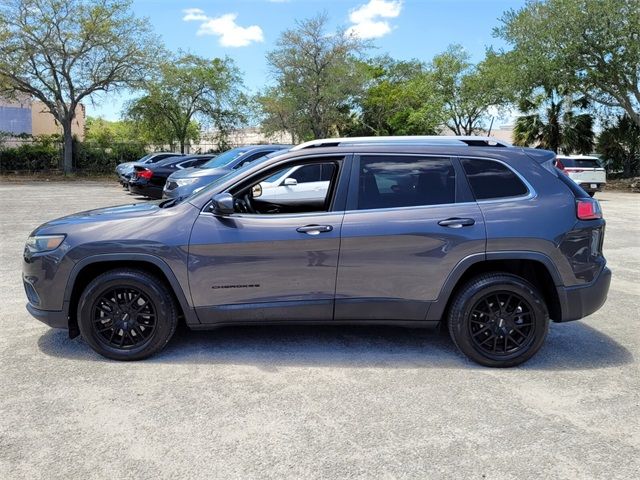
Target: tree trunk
[182, 145]
[67, 164]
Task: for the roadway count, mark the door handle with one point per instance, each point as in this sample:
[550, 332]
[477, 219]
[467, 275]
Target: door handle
[314, 229]
[457, 222]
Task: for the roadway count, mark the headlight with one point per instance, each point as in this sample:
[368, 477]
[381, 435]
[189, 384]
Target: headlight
[44, 243]
[185, 181]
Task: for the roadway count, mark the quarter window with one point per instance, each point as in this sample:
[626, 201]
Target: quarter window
[404, 181]
[490, 179]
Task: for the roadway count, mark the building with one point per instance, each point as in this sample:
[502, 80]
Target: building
[27, 116]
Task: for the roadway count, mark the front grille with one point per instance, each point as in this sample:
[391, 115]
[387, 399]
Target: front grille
[172, 185]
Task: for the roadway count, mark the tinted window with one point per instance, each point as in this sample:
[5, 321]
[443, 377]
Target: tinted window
[491, 179]
[308, 173]
[579, 162]
[397, 181]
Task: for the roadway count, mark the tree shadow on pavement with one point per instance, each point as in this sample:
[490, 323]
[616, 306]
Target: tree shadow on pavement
[572, 346]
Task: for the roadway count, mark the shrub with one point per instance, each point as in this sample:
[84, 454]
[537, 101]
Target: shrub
[30, 157]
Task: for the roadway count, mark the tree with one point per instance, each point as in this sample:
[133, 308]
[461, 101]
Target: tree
[469, 91]
[279, 114]
[315, 76]
[591, 46]
[191, 89]
[553, 121]
[64, 51]
[619, 145]
[400, 98]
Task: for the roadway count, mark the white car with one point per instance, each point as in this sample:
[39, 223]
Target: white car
[304, 184]
[584, 170]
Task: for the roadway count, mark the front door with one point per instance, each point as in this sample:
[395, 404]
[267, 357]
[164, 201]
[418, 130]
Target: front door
[269, 261]
[402, 234]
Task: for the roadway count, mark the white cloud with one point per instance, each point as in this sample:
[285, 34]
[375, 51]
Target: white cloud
[225, 27]
[368, 19]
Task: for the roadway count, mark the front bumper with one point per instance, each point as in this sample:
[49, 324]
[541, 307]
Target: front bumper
[582, 301]
[54, 319]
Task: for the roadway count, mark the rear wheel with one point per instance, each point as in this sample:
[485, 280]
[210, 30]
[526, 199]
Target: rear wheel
[498, 320]
[127, 314]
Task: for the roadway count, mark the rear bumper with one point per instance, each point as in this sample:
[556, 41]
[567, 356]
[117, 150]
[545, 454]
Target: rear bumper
[54, 319]
[145, 190]
[579, 302]
[587, 186]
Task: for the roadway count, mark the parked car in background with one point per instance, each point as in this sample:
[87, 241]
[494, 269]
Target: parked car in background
[148, 179]
[124, 170]
[182, 184]
[586, 171]
[491, 242]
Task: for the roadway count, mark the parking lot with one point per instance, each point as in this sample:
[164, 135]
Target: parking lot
[322, 402]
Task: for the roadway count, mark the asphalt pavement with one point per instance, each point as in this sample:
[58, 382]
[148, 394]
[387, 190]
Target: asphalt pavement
[315, 402]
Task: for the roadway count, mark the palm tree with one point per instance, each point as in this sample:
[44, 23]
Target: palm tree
[552, 121]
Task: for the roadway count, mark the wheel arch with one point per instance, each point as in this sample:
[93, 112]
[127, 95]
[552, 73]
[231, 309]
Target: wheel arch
[534, 267]
[90, 267]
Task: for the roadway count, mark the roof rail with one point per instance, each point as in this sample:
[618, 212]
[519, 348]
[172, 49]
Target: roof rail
[471, 141]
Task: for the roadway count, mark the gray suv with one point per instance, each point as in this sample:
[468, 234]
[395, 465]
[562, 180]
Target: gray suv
[486, 239]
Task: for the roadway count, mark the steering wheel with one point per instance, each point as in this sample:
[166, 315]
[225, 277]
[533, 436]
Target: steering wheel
[244, 205]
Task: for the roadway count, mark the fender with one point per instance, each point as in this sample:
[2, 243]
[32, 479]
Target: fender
[189, 313]
[436, 310]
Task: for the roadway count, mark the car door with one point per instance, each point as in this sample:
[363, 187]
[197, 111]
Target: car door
[410, 219]
[256, 267]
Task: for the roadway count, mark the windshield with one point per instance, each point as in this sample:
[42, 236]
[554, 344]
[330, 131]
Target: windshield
[224, 158]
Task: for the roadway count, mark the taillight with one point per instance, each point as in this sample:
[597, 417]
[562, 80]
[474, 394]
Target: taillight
[146, 174]
[560, 166]
[588, 209]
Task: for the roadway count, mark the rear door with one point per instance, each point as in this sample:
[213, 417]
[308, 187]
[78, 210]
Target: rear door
[410, 219]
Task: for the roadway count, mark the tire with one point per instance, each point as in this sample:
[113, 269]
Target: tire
[498, 320]
[127, 314]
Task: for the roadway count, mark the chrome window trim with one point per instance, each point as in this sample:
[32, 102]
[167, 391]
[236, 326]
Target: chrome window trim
[303, 158]
[531, 191]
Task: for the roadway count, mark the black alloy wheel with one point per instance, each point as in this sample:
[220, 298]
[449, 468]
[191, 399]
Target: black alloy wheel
[501, 323]
[127, 314]
[124, 318]
[498, 320]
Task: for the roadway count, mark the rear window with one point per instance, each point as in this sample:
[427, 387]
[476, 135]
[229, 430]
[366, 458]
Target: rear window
[490, 179]
[580, 162]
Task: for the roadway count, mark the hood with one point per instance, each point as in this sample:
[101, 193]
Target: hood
[120, 212]
[204, 173]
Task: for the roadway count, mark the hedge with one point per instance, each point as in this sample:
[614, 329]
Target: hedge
[42, 157]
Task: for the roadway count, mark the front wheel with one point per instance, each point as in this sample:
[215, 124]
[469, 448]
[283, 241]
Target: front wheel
[127, 314]
[498, 320]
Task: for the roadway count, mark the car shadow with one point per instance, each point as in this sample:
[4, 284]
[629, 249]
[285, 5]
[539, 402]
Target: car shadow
[573, 346]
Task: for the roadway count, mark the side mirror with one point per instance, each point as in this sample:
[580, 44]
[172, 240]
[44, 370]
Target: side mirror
[290, 182]
[222, 204]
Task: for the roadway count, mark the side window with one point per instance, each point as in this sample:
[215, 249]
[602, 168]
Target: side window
[491, 179]
[388, 181]
[307, 173]
[291, 195]
[187, 164]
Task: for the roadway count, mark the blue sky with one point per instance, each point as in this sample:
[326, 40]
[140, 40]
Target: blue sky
[246, 29]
